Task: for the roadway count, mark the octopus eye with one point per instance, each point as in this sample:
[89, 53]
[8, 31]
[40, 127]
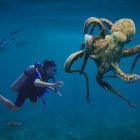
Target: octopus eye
[82, 46]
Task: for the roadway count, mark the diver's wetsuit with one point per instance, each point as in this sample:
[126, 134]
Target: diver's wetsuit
[29, 90]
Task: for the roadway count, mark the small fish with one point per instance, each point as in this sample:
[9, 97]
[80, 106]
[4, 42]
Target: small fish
[13, 124]
[3, 42]
[21, 44]
[4, 49]
[16, 31]
[3, 45]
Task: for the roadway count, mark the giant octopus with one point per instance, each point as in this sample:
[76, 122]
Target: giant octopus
[106, 49]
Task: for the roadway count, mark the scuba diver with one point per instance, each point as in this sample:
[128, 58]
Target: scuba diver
[33, 83]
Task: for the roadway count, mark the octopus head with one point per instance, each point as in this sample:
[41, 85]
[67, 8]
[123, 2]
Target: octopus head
[126, 26]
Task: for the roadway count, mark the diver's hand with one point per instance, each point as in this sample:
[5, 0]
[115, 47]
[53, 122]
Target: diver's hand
[58, 84]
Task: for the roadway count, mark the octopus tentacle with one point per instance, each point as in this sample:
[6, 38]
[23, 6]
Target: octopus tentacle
[107, 86]
[94, 21]
[70, 60]
[85, 59]
[107, 22]
[123, 76]
[127, 52]
[110, 76]
[134, 62]
[92, 29]
[67, 67]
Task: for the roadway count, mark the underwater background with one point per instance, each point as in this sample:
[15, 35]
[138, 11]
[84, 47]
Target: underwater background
[32, 30]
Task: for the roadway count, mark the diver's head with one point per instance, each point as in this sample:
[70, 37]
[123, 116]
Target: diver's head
[49, 66]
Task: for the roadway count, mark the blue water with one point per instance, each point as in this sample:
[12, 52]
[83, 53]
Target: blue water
[54, 30]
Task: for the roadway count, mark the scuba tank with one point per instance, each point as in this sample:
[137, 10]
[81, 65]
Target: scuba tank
[16, 86]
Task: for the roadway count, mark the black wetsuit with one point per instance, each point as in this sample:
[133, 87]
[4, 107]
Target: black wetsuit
[29, 90]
